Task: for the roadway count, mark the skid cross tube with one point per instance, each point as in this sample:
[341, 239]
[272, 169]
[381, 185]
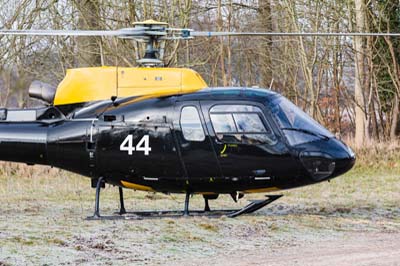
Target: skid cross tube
[206, 206]
[121, 201]
[97, 200]
[186, 211]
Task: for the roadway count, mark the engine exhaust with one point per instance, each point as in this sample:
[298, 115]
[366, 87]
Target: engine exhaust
[42, 91]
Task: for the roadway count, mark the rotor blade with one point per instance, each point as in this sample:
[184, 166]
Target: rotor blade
[135, 32]
[317, 34]
[60, 32]
[139, 31]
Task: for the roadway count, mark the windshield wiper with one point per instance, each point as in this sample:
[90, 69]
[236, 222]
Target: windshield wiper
[307, 132]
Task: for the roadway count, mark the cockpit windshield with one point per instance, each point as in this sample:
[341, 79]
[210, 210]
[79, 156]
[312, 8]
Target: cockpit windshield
[296, 124]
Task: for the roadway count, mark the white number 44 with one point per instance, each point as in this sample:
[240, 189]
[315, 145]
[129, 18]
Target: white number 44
[143, 145]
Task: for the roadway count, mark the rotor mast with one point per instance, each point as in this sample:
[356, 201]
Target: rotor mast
[153, 33]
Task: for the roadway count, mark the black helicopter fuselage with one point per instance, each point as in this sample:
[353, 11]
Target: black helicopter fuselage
[212, 141]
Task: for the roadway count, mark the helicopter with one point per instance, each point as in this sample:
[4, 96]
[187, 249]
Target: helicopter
[159, 129]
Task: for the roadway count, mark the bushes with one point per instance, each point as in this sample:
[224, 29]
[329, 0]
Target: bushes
[378, 155]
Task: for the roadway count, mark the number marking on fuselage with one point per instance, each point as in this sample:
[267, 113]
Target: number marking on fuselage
[143, 145]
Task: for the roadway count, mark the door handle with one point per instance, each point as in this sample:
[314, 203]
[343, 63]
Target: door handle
[259, 172]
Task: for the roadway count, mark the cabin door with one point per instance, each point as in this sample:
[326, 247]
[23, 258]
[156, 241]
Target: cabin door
[244, 142]
[196, 149]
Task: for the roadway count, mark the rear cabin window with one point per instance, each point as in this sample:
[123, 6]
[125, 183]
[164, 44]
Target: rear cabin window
[192, 129]
[240, 123]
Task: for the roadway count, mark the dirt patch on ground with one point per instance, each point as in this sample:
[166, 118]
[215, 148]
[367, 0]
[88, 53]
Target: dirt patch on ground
[362, 249]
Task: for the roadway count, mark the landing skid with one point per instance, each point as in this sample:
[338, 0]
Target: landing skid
[139, 215]
[124, 215]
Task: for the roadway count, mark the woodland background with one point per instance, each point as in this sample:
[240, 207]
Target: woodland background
[350, 85]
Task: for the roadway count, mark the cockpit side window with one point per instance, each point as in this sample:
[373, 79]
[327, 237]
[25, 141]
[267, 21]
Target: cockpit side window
[223, 123]
[250, 122]
[240, 123]
[192, 129]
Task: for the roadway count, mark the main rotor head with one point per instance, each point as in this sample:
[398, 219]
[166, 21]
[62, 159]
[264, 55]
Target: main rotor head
[152, 33]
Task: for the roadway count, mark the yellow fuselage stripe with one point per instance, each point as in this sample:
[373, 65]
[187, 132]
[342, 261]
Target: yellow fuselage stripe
[136, 186]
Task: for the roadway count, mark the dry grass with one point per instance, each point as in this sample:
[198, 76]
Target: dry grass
[377, 155]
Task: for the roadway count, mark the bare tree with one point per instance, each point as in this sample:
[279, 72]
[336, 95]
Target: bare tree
[88, 47]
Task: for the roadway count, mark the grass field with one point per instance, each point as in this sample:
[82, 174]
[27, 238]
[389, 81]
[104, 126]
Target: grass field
[43, 211]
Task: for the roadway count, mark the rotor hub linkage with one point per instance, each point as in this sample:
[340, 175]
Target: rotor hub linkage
[152, 34]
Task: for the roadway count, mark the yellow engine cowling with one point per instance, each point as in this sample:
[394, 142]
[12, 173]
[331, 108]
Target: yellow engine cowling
[101, 83]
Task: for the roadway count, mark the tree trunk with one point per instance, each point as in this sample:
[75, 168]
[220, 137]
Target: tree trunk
[336, 84]
[361, 132]
[88, 47]
[395, 119]
[265, 21]
[222, 46]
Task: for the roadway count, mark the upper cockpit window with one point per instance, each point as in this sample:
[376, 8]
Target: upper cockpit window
[240, 123]
[234, 108]
[192, 129]
[297, 126]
